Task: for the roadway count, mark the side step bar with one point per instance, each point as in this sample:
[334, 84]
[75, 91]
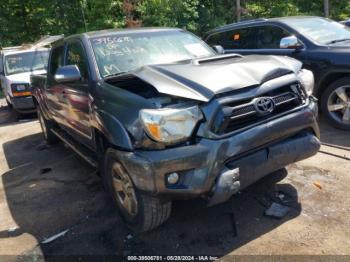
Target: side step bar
[76, 147]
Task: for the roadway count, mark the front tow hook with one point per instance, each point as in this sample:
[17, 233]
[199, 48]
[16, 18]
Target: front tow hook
[226, 185]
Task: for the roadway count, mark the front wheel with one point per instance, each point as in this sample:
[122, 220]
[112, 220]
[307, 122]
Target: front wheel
[335, 103]
[140, 211]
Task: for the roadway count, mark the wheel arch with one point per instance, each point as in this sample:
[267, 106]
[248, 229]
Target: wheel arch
[108, 131]
[39, 103]
[329, 79]
[35, 100]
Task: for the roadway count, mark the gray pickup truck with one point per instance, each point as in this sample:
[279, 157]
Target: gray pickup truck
[165, 117]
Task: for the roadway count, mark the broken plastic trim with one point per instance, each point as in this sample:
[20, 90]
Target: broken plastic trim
[226, 185]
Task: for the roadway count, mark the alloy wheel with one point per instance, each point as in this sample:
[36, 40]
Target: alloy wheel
[339, 105]
[124, 190]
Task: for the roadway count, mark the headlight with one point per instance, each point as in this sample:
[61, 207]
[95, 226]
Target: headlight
[170, 125]
[306, 78]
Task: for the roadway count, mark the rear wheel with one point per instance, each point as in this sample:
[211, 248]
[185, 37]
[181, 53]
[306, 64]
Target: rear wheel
[140, 211]
[335, 103]
[46, 126]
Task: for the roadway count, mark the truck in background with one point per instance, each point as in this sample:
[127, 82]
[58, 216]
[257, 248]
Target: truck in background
[17, 64]
[17, 67]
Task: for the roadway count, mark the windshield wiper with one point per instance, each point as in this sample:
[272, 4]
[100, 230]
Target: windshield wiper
[338, 40]
[114, 75]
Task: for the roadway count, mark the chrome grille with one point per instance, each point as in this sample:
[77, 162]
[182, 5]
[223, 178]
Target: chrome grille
[237, 116]
[285, 98]
[242, 111]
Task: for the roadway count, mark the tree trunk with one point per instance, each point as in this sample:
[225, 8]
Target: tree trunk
[326, 8]
[238, 10]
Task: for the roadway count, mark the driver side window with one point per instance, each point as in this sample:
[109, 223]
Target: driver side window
[269, 37]
[76, 56]
[56, 59]
[242, 38]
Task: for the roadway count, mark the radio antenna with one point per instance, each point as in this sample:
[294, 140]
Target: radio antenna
[82, 5]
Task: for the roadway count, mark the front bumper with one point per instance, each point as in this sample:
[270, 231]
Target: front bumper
[23, 104]
[255, 152]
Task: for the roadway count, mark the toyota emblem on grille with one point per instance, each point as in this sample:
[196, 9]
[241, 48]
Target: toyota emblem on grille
[264, 105]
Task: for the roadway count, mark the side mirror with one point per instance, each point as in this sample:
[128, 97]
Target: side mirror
[219, 49]
[290, 42]
[68, 73]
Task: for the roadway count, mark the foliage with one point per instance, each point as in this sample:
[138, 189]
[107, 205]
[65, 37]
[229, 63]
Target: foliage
[178, 13]
[24, 21]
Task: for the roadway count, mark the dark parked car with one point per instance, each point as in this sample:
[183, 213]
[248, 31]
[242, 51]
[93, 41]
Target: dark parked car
[346, 22]
[321, 44]
[164, 117]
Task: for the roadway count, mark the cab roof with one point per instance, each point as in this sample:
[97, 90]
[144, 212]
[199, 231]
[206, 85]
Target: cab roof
[99, 33]
[260, 20]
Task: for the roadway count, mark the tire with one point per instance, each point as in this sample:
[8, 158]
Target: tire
[46, 127]
[8, 103]
[146, 212]
[18, 115]
[335, 103]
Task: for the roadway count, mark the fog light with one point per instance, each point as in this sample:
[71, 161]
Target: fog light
[173, 178]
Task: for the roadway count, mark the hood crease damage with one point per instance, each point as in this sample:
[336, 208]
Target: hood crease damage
[203, 81]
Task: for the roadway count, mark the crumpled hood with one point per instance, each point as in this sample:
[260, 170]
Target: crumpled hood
[204, 78]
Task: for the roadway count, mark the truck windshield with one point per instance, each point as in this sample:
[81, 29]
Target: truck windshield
[26, 62]
[320, 30]
[118, 53]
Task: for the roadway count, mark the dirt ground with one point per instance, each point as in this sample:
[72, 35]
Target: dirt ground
[47, 190]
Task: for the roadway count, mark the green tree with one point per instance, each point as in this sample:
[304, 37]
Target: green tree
[103, 14]
[172, 13]
[23, 21]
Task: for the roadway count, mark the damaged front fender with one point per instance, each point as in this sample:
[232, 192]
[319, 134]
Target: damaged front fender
[112, 129]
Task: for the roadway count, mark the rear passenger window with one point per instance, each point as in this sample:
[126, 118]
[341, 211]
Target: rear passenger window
[244, 38]
[269, 37]
[56, 60]
[76, 56]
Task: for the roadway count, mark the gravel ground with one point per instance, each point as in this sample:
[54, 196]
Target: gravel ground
[47, 190]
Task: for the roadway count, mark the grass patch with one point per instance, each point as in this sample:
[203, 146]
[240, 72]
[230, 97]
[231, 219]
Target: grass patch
[1, 93]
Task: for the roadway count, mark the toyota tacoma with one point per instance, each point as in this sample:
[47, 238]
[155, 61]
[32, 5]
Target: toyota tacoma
[164, 117]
